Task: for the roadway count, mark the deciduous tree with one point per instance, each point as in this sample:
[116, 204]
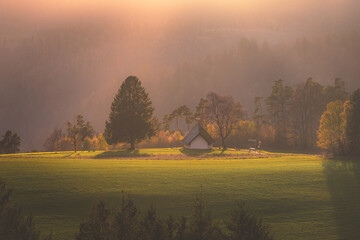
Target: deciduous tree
[307, 106]
[278, 107]
[224, 112]
[331, 130]
[79, 130]
[101, 142]
[52, 140]
[182, 112]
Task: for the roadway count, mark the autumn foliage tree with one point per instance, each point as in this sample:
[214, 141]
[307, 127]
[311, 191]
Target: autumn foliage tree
[79, 130]
[331, 133]
[339, 129]
[131, 117]
[292, 116]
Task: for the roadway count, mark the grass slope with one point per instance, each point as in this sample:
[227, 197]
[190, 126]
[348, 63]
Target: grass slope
[149, 153]
[301, 196]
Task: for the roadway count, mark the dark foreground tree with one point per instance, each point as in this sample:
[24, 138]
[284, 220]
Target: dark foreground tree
[200, 224]
[125, 222]
[97, 225]
[79, 130]
[10, 143]
[352, 123]
[244, 225]
[131, 116]
[14, 225]
[224, 112]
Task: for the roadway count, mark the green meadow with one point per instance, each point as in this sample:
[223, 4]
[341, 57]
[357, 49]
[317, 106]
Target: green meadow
[300, 196]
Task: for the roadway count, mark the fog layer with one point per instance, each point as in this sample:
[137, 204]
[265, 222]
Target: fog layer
[62, 59]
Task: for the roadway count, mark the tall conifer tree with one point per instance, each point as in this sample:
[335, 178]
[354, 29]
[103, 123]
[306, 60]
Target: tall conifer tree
[131, 117]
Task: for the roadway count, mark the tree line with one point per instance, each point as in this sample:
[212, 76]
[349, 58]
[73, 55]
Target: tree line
[289, 117]
[311, 116]
[308, 116]
[294, 113]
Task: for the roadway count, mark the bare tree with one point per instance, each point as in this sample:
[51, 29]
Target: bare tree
[224, 112]
[53, 139]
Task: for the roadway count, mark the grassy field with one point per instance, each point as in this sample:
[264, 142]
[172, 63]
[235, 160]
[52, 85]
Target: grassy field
[301, 196]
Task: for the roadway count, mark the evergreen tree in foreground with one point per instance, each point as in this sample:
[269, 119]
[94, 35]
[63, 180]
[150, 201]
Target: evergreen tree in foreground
[14, 224]
[131, 116]
[126, 222]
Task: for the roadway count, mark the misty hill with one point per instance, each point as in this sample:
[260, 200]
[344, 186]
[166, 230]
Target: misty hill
[250, 68]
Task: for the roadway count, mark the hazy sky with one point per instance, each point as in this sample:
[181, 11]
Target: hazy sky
[329, 11]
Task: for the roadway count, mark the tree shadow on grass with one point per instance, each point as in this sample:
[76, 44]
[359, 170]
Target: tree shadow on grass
[122, 154]
[195, 152]
[343, 178]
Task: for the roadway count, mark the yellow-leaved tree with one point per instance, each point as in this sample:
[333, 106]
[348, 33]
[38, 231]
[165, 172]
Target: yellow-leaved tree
[331, 135]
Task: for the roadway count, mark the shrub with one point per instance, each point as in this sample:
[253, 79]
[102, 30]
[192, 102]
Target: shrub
[64, 144]
[163, 139]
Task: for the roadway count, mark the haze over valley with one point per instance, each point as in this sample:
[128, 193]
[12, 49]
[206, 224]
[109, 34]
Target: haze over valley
[62, 59]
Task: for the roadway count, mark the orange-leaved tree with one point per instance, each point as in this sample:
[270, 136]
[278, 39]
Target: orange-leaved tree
[331, 134]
